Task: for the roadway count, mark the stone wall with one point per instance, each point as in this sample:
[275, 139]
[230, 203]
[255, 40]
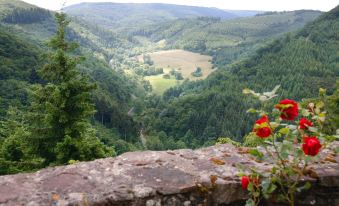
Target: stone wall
[180, 177]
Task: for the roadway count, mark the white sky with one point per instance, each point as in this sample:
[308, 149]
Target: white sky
[264, 5]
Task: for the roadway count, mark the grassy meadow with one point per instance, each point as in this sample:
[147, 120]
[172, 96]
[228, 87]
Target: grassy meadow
[160, 85]
[181, 61]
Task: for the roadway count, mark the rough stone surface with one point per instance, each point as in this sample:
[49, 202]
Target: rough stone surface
[178, 178]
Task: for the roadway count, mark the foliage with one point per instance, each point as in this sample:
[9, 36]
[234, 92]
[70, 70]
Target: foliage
[112, 15]
[299, 64]
[333, 108]
[291, 148]
[63, 107]
[22, 49]
[197, 72]
[227, 140]
[15, 153]
[56, 127]
[27, 16]
[227, 41]
[19, 60]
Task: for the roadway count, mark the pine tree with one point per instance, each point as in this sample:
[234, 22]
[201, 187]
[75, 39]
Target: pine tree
[14, 148]
[61, 109]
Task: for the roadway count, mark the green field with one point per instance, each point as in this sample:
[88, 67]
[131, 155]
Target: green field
[159, 84]
[181, 61]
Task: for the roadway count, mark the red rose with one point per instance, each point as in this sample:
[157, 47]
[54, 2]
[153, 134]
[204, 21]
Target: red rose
[305, 123]
[311, 146]
[262, 127]
[245, 180]
[288, 109]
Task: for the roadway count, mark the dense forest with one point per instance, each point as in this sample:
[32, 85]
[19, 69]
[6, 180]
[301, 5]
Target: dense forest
[226, 41]
[71, 88]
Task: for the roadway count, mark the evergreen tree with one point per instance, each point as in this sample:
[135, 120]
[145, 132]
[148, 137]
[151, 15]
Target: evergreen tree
[14, 148]
[61, 109]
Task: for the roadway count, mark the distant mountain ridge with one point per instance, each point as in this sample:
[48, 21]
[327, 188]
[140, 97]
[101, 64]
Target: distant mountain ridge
[117, 15]
[244, 13]
[7, 6]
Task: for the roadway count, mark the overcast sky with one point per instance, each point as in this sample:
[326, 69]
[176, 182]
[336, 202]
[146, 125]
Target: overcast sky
[265, 5]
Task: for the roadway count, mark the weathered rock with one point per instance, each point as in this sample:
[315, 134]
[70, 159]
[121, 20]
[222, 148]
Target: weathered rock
[180, 177]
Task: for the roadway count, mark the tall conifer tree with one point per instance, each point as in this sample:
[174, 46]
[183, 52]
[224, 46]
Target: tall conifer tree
[61, 109]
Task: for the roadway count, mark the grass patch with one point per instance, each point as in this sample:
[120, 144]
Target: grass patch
[159, 84]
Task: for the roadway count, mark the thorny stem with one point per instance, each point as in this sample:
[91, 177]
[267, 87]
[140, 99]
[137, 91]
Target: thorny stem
[289, 195]
[279, 182]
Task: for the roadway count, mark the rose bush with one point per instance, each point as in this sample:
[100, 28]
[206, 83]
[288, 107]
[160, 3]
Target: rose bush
[291, 141]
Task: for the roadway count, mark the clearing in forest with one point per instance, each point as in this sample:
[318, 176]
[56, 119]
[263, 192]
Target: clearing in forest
[180, 61]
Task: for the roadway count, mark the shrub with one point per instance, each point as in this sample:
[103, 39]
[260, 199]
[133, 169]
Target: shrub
[290, 137]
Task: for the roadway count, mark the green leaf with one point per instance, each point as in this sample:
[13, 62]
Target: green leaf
[274, 124]
[284, 154]
[306, 186]
[274, 170]
[265, 185]
[247, 91]
[322, 116]
[291, 127]
[249, 202]
[271, 188]
[284, 131]
[276, 89]
[336, 150]
[256, 194]
[313, 129]
[252, 110]
[330, 138]
[322, 91]
[300, 153]
[256, 153]
[240, 174]
[263, 98]
[268, 187]
[250, 187]
[305, 112]
[319, 105]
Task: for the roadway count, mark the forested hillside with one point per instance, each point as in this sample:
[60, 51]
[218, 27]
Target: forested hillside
[122, 17]
[19, 61]
[227, 41]
[24, 53]
[301, 63]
